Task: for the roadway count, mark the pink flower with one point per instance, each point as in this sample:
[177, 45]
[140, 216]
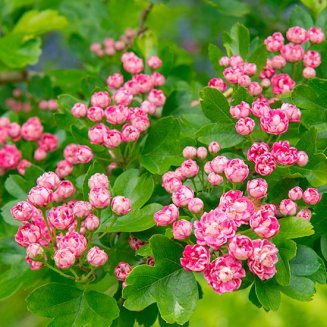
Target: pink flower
[120, 205]
[195, 205]
[257, 188]
[148, 107]
[224, 274]
[292, 112]
[64, 258]
[82, 155]
[214, 147]
[22, 211]
[182, 229]
[214, 229]
[123, 97]
[244, 80]
[201, 152]
[224, 61]
[215, 179]
[195, 258]
[154, 62]
[284, 153]
[28, 234]
[34, 265]
[316, 35]
[256, 150]
[182, 196]
[263, 260]
[245, 126]
[50, 180]
[189, 152]
[131, 63]
[112, 138]
[158, 79]
[292, 52]
[277, 62]
[130, 133]
[238, 210]
[311, 59]
[218, 83]
[311, 196]
[287, 207]
[297, 34]
[65, 190]
[250, 68]
[96, 257]
[91, 222]
[64, 168]
[304, 214]
[157, 97]
[95, 114]
[98, 180]
[22, 165]
[302, 158]
[32, 129]
[218, 164]
[100, 99]
[265, 164]
[282, 83]
[74, 242]
[274, 42]
[99, 197]
[189, 168]
[35, 251]
[48, 142]
[309, 72]
[260, 108]
[40, 154]
[13, 130]
[61, 217]
[115, 81]
[97, 133]
[295, 193]
[264, 224]
[236, 170]
[242, 110]
[82, 209]
[170, 182]
[79, 110]
[135, 243]
[254, 88]
[167, 215]
[116, 115]
[274, 122]
[122, 270]
[144, 82]
[240, 247]
[40, 196]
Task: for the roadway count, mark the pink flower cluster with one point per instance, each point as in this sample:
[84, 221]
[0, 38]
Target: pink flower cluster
[51, 104]
[110, 47]
[63, 233]
[31, 130]
[294, 51]
[19, 102]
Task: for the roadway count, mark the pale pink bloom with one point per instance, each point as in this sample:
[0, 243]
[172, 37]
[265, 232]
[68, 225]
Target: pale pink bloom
[260, 108]
[201, 152]
[167, 215]
[64, 258]
[316, 35]
[40, 154]
[282, 84]
[144, 82]
[28, 234]
[264, 224]
[292, 52]
[123, 97]
[284, 153]
[182, 229]
[148, 107]
[214, 229]
[34, 265]
[240, 247]
[98, 180]
[120, 205]
[189, 168]
[40, 196]
[72, 241]
[293, 113]
[311, 59]
[309, 72]
[297, 34]
[230, 197]
[182, 196]
[224, 61]
[95, 114]
[250, 68]
[302, 158]
[267, 73]
[10, 157]
[224, 274]
[22, 165]
[91, 222]
[238, 210]
[195, 258]
[48, 142]
[99, 197]
[245, 126]
[22, 211]
[274, 42]
[64, 168]
[115, 81]
[256, 150]
[122, 270]
[130, 133]
[82, 155]
[35, 251]
[274, 122]
[189, 152]
[265, 164]
[236, 60]
[132, 63]
[287, 207]
[195, 205]
[218, 164]
[96, 257]
[154, 62]
[244, 80]
[43, 104]
[241, 110]
[304, 214]
[311, 196]
[277, 62]
[236, 170]
[170, 182]
[52, 104]
[157, 97]
[79, 110]
[257, 188]
[295, 193]
[116, 115]
[32, 129]
[61, 217]
[233, 74]
[50, 180]
[100, 99]
[218, 83]
[215, 179]
[207, 168]
[112, 138]
[13, 130]
[263, 260]
[255, 88]
[120, 45]
[82, 209]
[65, 190]
[97, 133]
[158, 79]
[214, 147]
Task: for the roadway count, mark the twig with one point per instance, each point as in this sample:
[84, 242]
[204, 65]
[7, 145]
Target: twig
[13, 77]
[144, 17]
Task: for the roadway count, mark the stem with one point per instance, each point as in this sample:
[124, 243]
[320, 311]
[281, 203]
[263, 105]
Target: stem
[144, 17]
[108, 228]
[195, 188]
[59, 272]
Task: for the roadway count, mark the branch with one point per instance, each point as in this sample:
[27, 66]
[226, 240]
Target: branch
[144, 17]
[13, 77]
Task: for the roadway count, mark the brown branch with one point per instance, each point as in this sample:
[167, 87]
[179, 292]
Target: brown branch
[142, 28]
[13, 77]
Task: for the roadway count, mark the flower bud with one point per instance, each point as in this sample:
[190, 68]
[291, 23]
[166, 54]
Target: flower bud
[96, 257]
[120, 205]
[182, 229]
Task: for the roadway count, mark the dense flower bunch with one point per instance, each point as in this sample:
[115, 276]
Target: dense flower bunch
[110, 47]
[31, 131]
[239, 72]
[220, 232]
[60, 232]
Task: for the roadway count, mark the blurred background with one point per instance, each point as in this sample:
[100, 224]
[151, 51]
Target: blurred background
[188, 27]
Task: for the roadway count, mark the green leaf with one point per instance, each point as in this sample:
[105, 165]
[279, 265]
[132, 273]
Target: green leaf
[300, 17]
[70, 306]
[138, 188]
[300, 288]
[6, 215]
[253, 297]
[215, 54]
[323, 245]
[173, 289]
[238, 41]
[35, 22]
[148, 43]
[306, 261]
[319, 220]
[307, 141]
[135, 221]
[215, 106]
[293, 227]
[16, 186]
[268, 294]
[259, 57]
[233, 8]
[241, 94]
[315, 6]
